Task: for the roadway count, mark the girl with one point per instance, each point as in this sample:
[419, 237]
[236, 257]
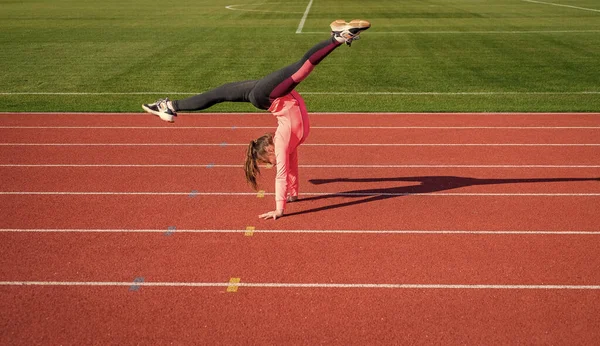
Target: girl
[276, 94]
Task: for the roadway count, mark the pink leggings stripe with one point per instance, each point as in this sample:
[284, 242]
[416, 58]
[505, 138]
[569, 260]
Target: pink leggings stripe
[302, 69]
[303, 72]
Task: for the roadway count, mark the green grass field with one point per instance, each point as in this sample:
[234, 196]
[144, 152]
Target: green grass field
[419, 55]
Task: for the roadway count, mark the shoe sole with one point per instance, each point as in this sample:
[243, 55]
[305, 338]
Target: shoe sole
[338, 25]
[163, 116]
[355, 26]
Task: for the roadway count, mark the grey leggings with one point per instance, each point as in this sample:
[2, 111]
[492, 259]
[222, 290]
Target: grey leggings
[261, 93]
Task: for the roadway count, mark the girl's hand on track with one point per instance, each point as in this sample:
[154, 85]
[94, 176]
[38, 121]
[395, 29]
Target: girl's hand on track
[272, 214]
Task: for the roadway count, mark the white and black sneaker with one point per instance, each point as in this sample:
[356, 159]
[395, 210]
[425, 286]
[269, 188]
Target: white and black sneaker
[349, 32]
[162, 109]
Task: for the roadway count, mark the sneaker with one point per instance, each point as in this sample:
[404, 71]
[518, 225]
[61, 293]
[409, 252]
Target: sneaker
[349, 31]
[161, 109]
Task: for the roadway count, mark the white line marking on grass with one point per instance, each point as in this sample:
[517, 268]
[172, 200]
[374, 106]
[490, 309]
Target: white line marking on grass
[331, 194]
[301, 285]
[469, 32]
[474, 93]
[561, 5]
[84, 93]
[301, 166]
[265, 113]
[388, 93]
[234, 8]
[305, 145]
[303, 20]
[301, 231]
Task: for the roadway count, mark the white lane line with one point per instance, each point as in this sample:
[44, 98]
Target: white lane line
[303, 20]
[301, 231]
[306, 144]
[450, 144]
[301, 166]
[452, 93]
[536, 115]
[253, 194]
[485, 32]
[300, 285]
[391, 93]
[123, 144]
[426, 114]
[233, 127]
[561, 5]
[235, 8]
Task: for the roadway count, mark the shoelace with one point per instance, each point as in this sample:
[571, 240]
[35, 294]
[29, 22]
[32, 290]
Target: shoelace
[162, 104]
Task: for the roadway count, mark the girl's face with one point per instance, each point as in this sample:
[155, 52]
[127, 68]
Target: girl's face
[270, 156]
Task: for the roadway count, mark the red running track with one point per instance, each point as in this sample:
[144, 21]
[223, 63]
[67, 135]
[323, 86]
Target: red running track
[457, 228]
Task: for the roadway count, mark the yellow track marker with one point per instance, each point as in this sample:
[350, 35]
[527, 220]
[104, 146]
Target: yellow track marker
[260, 194]
[249, 231]
[233, 288]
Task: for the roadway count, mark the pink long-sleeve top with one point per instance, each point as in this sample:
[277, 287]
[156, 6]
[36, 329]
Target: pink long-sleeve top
[292, 129]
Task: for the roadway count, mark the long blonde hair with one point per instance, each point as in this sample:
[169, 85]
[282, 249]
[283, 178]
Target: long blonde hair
[257, 152]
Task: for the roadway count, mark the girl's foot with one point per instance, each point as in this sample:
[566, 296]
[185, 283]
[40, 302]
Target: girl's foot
[161, 108]
[348, 32]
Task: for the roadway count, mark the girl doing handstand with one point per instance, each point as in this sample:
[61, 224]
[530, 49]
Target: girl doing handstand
[274, 93]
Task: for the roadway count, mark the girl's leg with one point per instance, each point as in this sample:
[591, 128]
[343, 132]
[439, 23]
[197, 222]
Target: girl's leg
[281, 82]
[262, 93]
[232, 92]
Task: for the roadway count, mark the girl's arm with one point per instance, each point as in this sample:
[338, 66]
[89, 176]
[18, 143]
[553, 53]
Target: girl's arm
[281, 176]
[292, 176]
[281, 142]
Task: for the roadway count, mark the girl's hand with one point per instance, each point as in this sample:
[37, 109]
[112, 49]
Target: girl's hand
[272, 214]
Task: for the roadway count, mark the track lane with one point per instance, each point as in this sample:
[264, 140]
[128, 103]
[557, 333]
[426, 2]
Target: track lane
[313, 180]
[317, 119]
[329, 155]
[453, 259]
[316, 136]
[418, 212]
[281, 316]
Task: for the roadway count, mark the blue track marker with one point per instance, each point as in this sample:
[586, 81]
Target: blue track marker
[210, 165]
[193, 194]
[170, 231]
[135, 287]
[234, 127]
[224, 144]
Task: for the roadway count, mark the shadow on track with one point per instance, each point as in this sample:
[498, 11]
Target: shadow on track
[428, 184]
